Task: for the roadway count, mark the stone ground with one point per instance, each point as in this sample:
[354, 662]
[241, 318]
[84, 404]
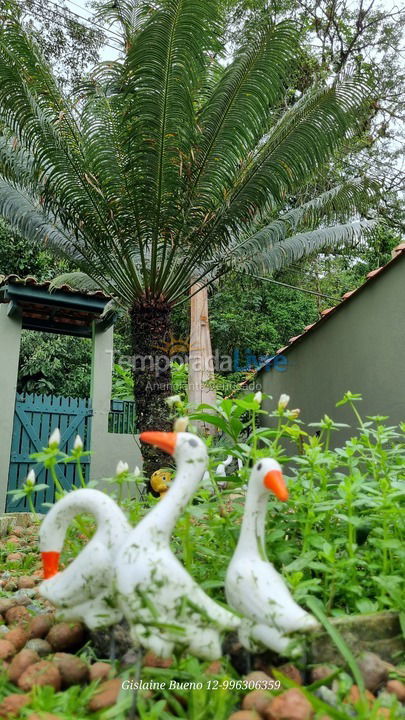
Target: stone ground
[37, 650]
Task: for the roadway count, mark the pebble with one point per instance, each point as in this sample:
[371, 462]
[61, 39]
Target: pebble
[354, 696]
[44, 716]
[129, 658]
[100, 671]
[10, 585]
[396, 687]
[256, 700]
[153, 660]
[244, 715]
[26, 583]
[260, 680]
[40, 625]
[327, 695]
[290, 671]
[17, 614]
[12, 704]
[4, 629]
[40, 646]
[24, 596]
[214, 668]
[18, 636]
[43, 672]
[66, 636]
[73, 670]
[290, 705]
[19, 531]
[20, 662]
[6, 604]
[321, 672]
[373, 670]
[7, 650]
[106, 695]
[14, 557]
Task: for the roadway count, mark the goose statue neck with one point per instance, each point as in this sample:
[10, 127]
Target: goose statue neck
[191, 458]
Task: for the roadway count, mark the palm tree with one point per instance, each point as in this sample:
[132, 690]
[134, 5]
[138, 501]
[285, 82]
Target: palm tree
[171, 167]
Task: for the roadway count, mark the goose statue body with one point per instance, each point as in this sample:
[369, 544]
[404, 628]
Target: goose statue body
[84, 590]
[163, 605]
[253, 586]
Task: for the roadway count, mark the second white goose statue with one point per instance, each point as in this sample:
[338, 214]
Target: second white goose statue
[85, 589]
[163, 605]
[253, 586]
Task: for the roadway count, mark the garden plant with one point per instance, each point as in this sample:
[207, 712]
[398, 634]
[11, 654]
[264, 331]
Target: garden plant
[338, 542]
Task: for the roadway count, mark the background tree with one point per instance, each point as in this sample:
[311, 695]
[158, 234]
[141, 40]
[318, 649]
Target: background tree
[172, 168]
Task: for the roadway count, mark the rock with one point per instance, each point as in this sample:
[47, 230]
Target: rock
[26, 582]
[106, 695]
[23, 597]
[101, 640]
[13, 539]
[396, 687]
[18, 636]
[321, 672]
[14, 557]
[258, 680]
[10, 585]
[66, 636]
[40, 646]
[290, 671]
[214, 668]
[290, 705]
[17, 614]
[100, 671]
[256, 700]
[20, 662]
[41, 673]
[379, 633]
[40, 625]
[131, 657]
[354, 696]
[6, 604]
[44, 716]
[153, 660]
[327, 695]
[72, 669]
[373, 670]
[7, 649]
[4, 629]
[12, 704]
[244, 715]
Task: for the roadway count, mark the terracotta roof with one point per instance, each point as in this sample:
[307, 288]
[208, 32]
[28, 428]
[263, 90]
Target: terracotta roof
[398, 252]
[45, 285]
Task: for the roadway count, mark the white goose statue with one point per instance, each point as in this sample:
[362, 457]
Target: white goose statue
[84, 590]
[253, 586]
[163, 605]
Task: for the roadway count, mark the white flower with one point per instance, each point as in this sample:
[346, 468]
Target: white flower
[122, 467]
[295, 413]
[30, 480]
[258, 397]
[181, 424]
[137, 471]
[173, 400]
[54, 440]
[78, 443]
[283, 401]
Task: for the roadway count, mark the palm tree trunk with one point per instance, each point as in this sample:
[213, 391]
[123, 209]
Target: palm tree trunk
[150, 326]
[201, 361]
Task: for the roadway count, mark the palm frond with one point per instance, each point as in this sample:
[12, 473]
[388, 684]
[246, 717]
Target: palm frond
[76, 280]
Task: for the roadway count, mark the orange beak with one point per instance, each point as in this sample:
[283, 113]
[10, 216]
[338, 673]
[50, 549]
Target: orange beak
[166, 441]
[274, 481]
[50, 563]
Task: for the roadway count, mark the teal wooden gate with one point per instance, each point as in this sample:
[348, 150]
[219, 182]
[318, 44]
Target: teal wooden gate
[35, 417]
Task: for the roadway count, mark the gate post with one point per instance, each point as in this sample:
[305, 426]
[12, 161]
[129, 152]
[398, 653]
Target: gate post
[101, 384]
[10, 339]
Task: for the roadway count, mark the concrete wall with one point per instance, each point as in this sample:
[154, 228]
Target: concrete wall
[10, 339]
[360, 348]
[107, 448]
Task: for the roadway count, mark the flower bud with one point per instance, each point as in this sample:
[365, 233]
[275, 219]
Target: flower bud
[258, 397]
[137, 471]
[30, 480]
[173, 400]
[78, 443]
[54, 440]
[295, 413]
[122, 467]
[181, 424]
[283, 401]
